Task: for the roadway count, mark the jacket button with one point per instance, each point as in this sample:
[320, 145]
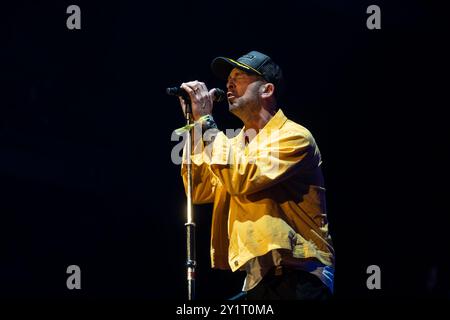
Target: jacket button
[236, 263]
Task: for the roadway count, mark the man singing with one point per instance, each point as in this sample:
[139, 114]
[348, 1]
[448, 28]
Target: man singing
[266, 183]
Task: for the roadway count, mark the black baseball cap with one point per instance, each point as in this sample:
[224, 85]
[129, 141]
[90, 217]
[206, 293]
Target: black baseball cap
[253, 62]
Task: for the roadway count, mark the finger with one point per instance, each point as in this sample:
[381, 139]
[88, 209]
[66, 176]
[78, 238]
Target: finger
[202, 86]
[183, 105]
[202, 89]
[212, 92]
[188, 90]
[197, 86]
[192, 84]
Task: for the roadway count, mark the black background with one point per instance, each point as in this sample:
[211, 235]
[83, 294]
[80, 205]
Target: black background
[86, 176]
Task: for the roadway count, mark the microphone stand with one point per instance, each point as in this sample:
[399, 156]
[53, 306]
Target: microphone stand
[190, 224]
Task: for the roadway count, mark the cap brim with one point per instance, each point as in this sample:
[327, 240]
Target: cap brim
[222, 66]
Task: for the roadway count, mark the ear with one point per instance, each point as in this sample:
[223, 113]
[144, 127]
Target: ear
[268, 90]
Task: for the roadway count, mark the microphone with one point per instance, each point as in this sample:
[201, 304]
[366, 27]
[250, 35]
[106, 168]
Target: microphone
[218, 96]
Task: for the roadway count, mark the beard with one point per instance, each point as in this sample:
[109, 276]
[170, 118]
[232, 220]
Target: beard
[244, 108]
[247, 104]
[235, 106]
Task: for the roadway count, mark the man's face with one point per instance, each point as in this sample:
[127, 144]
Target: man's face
[242, 89]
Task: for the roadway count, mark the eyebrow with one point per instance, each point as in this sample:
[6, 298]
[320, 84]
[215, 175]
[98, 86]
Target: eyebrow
[237, 73]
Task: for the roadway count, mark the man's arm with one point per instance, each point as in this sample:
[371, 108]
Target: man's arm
[272, 159]
[203, 180]
[270, 163]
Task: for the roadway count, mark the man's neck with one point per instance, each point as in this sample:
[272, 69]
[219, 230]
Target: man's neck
[257, 120]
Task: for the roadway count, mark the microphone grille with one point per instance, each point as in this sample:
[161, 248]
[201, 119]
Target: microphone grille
[219, 95]
[172, 91]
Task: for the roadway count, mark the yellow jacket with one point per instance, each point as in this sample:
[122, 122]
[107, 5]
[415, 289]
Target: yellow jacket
[267, 195]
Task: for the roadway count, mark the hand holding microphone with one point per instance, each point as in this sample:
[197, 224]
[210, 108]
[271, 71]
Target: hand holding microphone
[201, 99]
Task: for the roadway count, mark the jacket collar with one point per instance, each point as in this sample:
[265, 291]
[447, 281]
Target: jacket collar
[275, 123]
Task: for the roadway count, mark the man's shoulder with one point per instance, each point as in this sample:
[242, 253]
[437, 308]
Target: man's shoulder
[293, 128]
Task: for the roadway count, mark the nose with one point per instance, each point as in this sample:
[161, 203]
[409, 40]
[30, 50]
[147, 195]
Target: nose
[230, 84]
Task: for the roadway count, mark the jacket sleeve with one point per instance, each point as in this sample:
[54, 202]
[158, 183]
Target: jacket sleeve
[267, 164]
[203, 181]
